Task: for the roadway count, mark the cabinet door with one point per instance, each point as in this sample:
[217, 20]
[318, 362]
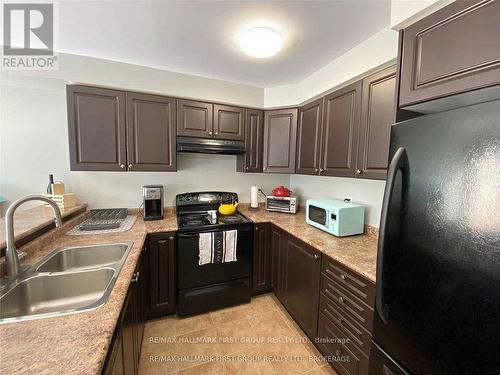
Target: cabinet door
[261, 259]
[251, 160]
[277, 259]
[151, 132]
[129, 335]
[229, 122]
[309, 138]
[302, 282]
[280, 133]
[378, 113]
[194, 119]
[340, 131]
[162, 274]
[96, 129]
[453, 50]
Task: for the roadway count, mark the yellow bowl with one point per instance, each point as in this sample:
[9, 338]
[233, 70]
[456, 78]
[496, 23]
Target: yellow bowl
[227, 209]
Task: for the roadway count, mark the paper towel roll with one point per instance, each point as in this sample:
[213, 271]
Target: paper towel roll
[254, 197]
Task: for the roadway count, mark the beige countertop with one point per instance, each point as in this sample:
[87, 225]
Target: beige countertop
[78, 343]
[30, 221]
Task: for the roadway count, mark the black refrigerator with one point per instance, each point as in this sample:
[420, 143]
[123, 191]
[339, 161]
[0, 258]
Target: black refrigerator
[438, 262]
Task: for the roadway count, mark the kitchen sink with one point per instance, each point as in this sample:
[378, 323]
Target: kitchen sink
[72, 258]
[68, 280]
[57, 293]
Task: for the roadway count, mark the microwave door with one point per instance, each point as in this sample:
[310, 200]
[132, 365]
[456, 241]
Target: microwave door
[318, 215]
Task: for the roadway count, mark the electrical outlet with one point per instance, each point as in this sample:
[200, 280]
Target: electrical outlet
[348, 198]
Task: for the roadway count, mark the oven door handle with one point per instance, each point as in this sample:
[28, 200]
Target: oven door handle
[190, 235]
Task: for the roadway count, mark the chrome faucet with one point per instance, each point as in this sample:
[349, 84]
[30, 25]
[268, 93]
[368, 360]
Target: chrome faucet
[11, 254]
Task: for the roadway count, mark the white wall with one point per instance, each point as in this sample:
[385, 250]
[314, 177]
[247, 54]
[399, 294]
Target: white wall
[406, 12]
[374, 51]
[34, 141]
[367, 192]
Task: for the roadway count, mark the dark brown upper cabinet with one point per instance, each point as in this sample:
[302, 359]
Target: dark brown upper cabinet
[97, 129]
[151, 133]
[251, 160]
[280, 133]
[229, 122]
[194, 119]
[340, 131]
[378, 112]
[309, 138]
[454, 50]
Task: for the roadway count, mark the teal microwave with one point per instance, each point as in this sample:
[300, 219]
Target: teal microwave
[335, 216]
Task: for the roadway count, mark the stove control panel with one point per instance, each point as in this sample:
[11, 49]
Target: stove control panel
[205, 197]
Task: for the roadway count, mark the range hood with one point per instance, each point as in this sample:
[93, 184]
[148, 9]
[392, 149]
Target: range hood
[210, 146]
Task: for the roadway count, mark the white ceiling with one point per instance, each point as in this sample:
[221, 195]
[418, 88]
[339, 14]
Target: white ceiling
[199, 37]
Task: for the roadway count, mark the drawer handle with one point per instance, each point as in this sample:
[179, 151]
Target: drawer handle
[341, 299]
[338, 352]
[343, 277]
[316, 256]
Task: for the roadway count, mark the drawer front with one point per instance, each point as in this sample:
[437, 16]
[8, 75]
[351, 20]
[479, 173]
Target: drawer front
[355, 332]
[349, 305]
[343, 355]
[357, 285]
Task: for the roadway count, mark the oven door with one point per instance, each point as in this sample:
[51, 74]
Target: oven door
[192, 275]
[317, 215]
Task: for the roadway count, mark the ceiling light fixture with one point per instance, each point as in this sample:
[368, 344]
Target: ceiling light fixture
[261, 42]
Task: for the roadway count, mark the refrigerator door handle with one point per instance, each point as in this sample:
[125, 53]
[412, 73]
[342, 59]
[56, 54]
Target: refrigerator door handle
[398, 162]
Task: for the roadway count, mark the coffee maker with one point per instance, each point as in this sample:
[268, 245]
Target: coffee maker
[153, 202]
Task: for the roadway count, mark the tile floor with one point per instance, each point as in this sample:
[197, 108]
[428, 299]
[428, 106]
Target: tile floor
[256, 338]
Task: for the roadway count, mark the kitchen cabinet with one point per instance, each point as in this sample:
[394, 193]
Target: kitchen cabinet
[278, 262]
[229, 122]
[162, 272]
[378, 113]
[96, 129]
[194, 119]
[309, 138]
[280, 132]
[251, 160]
[151, 133]
[302, 267]
[262, 259]
[340, 131]
[451, 51]
[112, 130]
[125, 348]
[346, 310]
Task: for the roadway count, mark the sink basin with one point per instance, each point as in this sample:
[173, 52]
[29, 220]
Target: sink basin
[73, 258]
[57, 294]
[68, 280]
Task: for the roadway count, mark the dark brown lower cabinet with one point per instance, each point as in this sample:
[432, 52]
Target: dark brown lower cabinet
[345, 318]
[162, 274]
[261, 259]
[302, 269]
[125, 349]
[296, 269]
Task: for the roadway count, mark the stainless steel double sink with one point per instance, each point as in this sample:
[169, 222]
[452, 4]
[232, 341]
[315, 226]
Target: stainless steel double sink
[68, 280]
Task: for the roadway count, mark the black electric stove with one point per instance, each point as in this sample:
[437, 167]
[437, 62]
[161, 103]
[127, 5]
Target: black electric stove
[211, 286]
[198, 211]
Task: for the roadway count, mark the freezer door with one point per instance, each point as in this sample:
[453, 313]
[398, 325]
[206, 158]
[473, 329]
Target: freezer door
[438, 267]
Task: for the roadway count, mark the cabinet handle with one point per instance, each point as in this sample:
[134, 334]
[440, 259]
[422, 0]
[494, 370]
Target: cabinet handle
[135, 277]
[316, 169]
[122, 166]
[130, 166]
[321, 170]
[216, 133]
[171, 237]
[210, 133]
[247, 168]
[359, 171]
[341, 299]
[316, 256]
[265, 168]
[342, 276]
[338, 352]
